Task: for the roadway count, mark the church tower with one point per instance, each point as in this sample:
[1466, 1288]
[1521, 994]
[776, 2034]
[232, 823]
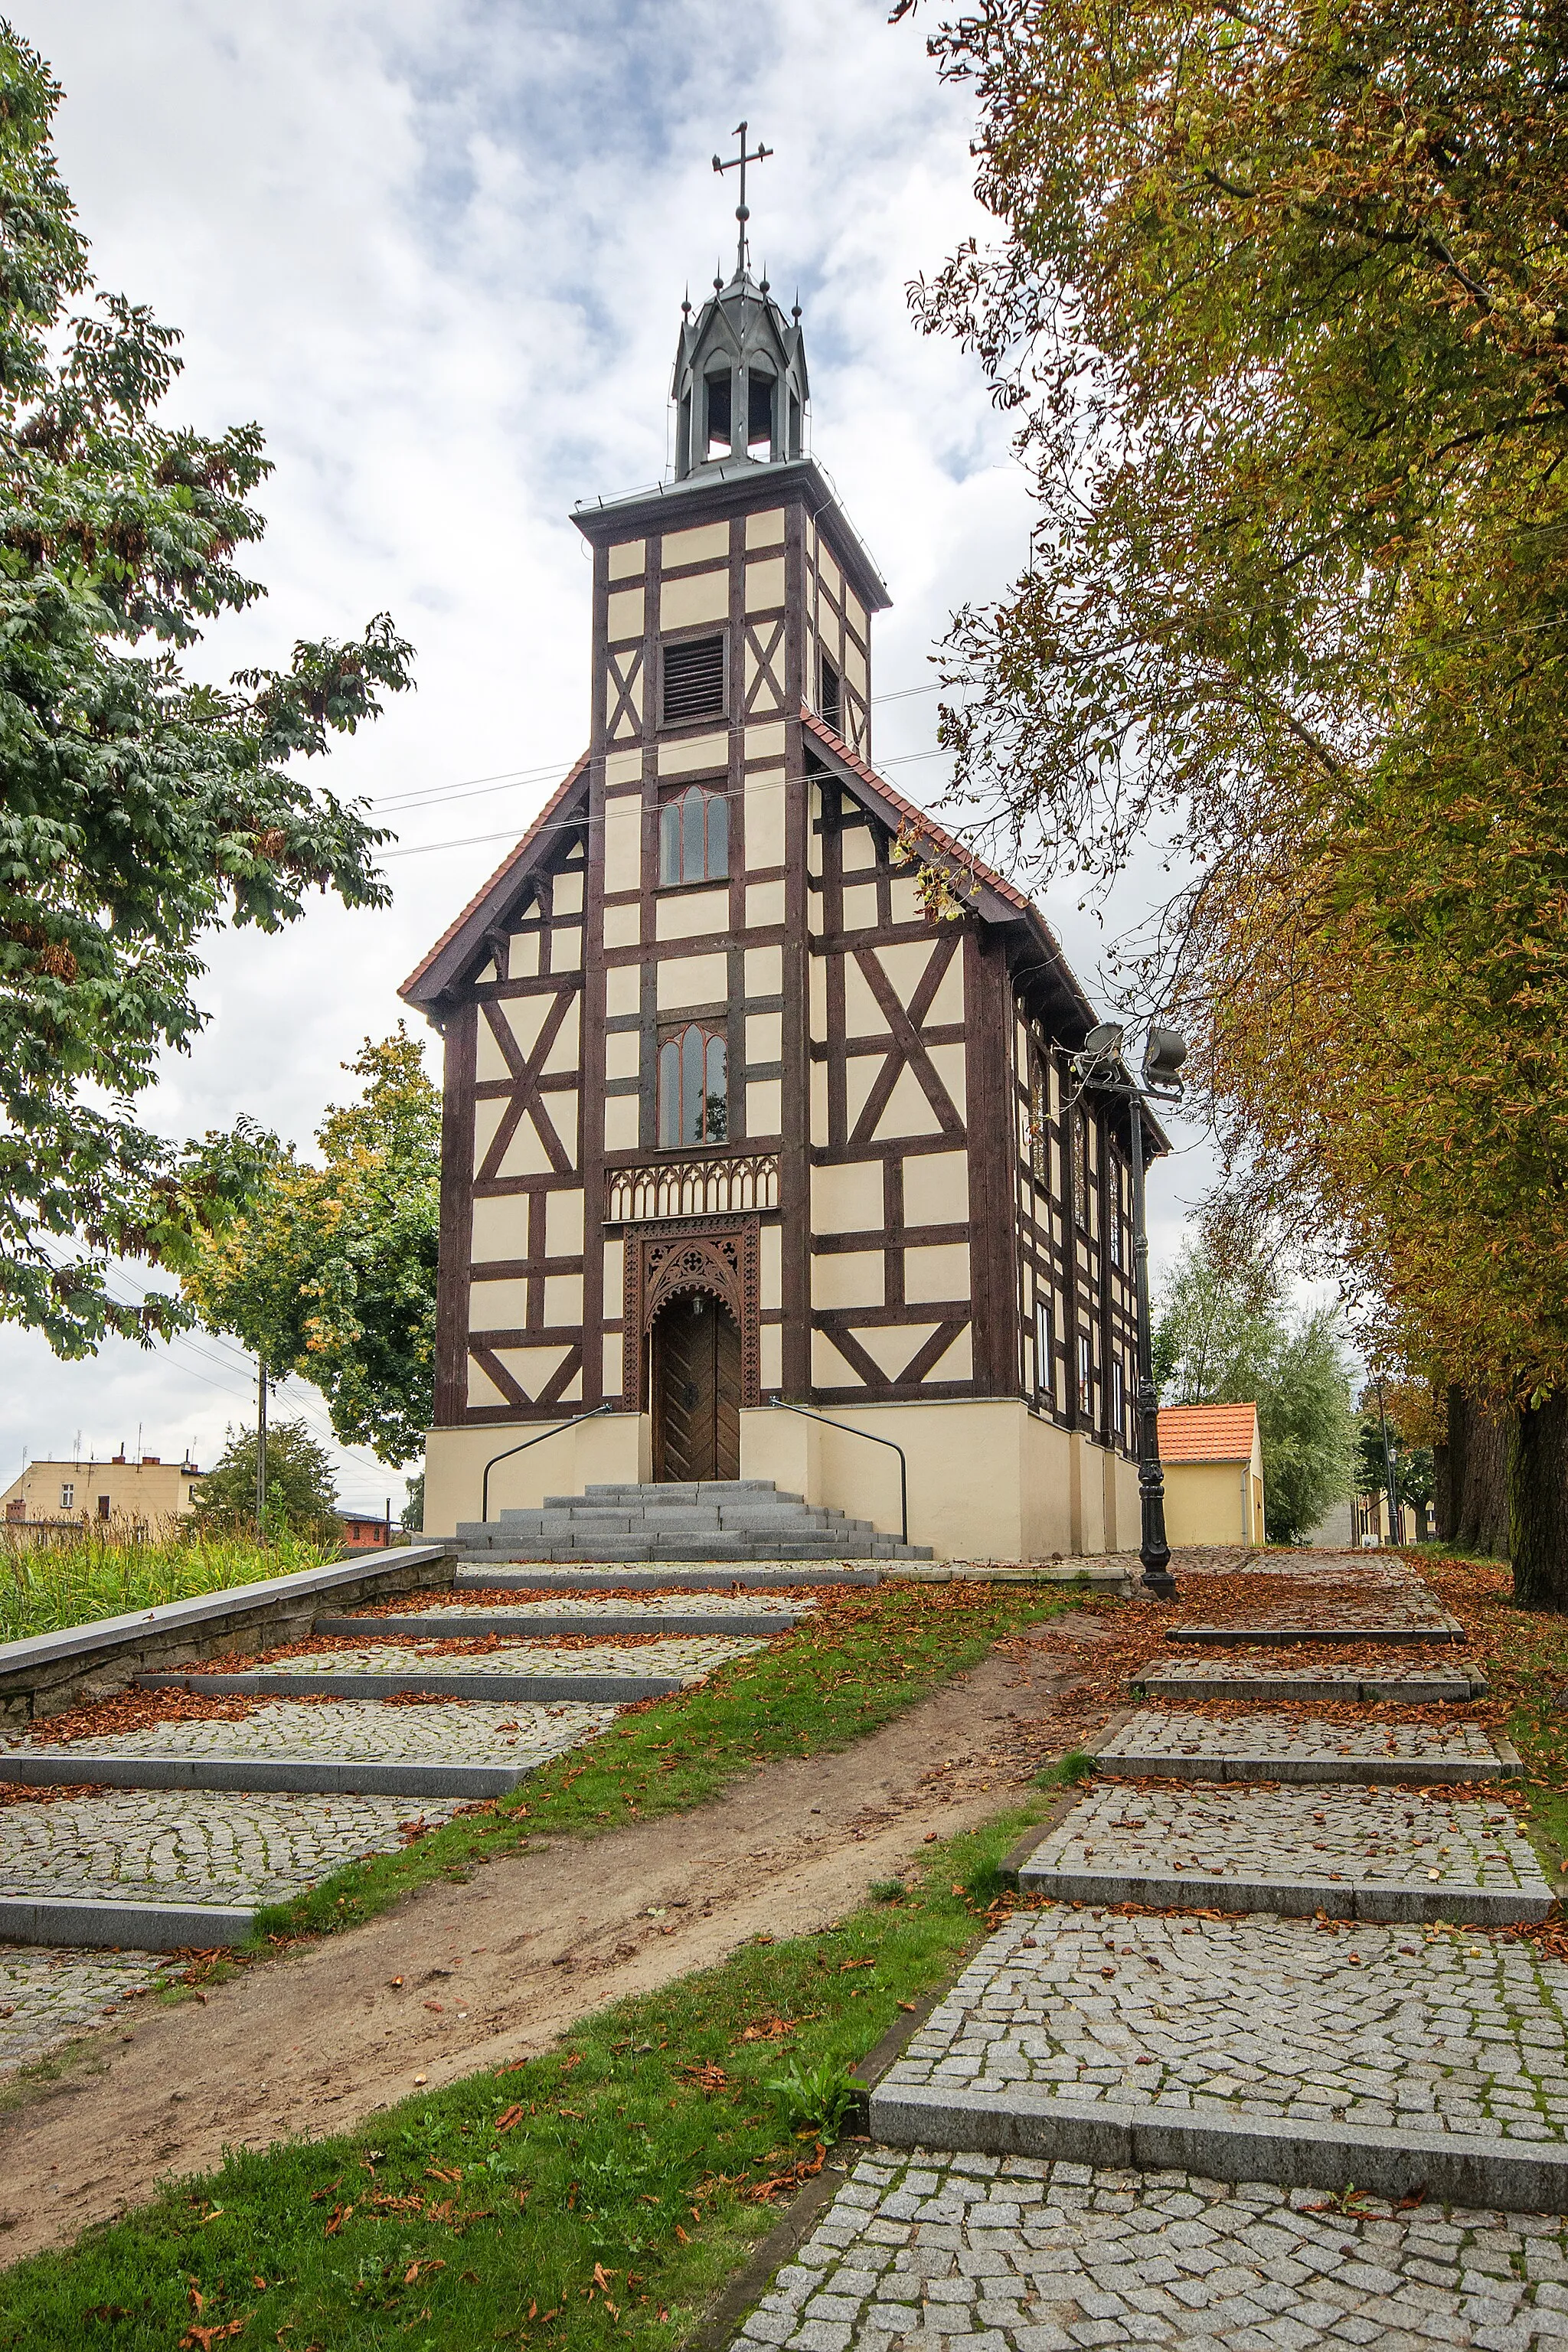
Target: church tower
[729, 1118]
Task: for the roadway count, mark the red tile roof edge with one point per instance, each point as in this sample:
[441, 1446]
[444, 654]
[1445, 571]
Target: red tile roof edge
[1207, 1433]
[502, 871]
[928, 826]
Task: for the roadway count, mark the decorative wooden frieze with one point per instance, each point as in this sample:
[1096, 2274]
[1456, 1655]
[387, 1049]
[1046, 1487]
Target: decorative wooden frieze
[693, 1188]
[722, 1258]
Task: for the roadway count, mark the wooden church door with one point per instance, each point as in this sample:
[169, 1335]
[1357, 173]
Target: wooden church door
[695, 1391]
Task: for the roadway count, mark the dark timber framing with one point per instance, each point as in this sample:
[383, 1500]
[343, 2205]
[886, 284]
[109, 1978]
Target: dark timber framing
[878, 1217]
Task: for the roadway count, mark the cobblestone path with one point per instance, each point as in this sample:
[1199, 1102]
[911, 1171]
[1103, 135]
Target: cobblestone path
[194, 1843]
[938, 2252]
[1254, 1746]
[332, 1780]
[685, 1661]
[1137, 2115]
[455, 1730]
[1153, 1842]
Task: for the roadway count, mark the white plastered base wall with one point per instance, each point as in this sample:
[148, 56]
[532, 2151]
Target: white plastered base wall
[987, 1481]
[609, 1451]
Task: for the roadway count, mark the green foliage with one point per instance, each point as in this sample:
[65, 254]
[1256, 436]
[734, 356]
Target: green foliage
[814, 2098]
[301, 1492]
[566, 2183]
[1278, 302]
[329, 1270]
[1225, 1333]
[139, 812]
[413, 1520]
[888, 1890]
[1219, 1320]
[1069, 1772]
[103, 1576]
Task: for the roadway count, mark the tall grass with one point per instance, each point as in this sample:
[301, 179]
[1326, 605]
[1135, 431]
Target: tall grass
[107, 1573]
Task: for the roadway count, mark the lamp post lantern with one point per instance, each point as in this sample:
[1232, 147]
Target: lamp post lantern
[1100, 1059]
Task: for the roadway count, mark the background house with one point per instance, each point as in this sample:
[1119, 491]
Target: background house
[122, 1490]
[1213, 1458]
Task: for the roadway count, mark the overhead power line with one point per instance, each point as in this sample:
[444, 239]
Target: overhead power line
[573, 824]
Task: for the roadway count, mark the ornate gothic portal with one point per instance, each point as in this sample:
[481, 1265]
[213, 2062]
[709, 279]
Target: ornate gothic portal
[696, 1385]
[718, 1260]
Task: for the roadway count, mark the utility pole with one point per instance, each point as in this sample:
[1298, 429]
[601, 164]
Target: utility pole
[261, 1447]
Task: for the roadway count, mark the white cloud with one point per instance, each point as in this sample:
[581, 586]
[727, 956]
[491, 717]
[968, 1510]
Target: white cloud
[438, 251]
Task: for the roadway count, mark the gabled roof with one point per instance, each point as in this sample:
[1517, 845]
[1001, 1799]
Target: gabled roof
[1207, 1433]
[894, 804]
[431, 978]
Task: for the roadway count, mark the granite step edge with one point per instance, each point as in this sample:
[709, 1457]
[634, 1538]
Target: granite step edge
[292, 1775]
[122, 1924]
[599, 1690]
[1406, 1902]
[1507, 2174]
[1379, 1772]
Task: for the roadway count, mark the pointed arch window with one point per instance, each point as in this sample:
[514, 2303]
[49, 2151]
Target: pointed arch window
[716, 438]
[759, 414]
[693, 1087]
[694, 837]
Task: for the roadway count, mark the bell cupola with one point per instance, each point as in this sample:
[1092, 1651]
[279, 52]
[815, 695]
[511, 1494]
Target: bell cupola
[740, 384]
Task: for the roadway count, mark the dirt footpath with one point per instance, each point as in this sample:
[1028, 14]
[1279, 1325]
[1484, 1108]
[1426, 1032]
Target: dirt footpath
[499, 1968]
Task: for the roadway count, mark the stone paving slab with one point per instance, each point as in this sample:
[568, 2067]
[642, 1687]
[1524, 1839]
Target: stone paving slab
[592, 1606]
[1379, 1854]
[1263, 2048]
[931, 2252]
[1178, 1679]
[462, 1749]
[1381, 1619]
[670, 1576]
[1168, 1744]
[677, 1661]
[538, 1617]
[192, 1847]
[46, 1996]
[472, 1731]
[504, 1689]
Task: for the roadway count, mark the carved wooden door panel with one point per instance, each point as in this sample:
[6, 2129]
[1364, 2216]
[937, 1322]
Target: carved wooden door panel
[695, 1391]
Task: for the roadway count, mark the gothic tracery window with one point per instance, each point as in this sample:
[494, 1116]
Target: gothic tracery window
[694, 837]
[693, 1089]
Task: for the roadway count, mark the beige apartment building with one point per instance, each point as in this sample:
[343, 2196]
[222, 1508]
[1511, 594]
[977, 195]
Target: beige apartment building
[122, 1491]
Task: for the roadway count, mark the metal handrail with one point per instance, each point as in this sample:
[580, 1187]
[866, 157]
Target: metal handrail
[780, 1406]
[559, 1431]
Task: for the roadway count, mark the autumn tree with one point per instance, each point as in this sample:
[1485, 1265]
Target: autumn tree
[1278, 307]
[301, 1492]
[329, 1270]
[140, 812]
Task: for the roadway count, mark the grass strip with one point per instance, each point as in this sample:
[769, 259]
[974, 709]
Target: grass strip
[599, 2194]
[46, 1589]
[853, 1664]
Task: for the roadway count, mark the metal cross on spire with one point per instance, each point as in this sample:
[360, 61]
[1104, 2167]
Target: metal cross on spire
[743, 214]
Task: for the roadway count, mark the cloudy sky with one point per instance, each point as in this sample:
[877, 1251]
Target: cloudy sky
[436, 248]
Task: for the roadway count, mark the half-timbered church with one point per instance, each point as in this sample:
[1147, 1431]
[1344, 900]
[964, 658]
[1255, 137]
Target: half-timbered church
[731, 1115]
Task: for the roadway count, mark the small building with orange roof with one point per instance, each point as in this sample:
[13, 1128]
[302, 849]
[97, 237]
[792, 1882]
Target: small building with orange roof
[1213, 1458]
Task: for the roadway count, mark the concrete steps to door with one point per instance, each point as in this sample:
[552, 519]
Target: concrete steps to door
[726, 1520]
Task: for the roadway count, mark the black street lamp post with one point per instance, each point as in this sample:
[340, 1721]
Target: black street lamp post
[1099, 1061]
